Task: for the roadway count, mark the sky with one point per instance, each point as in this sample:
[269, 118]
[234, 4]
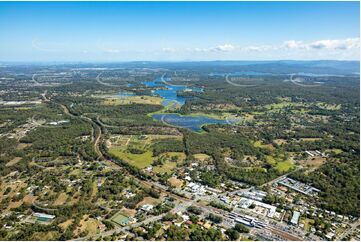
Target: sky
[179, 31]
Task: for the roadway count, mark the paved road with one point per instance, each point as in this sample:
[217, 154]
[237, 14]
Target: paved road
[150, 184]
[106, 84]
[96, 134]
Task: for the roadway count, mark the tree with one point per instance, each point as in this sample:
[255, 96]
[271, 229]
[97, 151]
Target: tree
[232, 234]
[241, 228]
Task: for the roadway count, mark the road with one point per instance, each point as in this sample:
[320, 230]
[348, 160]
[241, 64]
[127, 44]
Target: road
[97, 133]
[180, 207]
[150, 184]
[106, 84]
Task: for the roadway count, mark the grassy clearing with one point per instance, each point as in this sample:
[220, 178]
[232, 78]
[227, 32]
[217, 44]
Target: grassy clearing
[248, 117]
[141, 142]
[61, 199]
[270, 160]
[310, 139]
[259, 144]
[280, 141]
[138, 160]
[13, 161]
[94, 188]
[75, 172]
[328, 106]
[168, 166]
[284, 166]
[281, 164]
[134, 100]
[88, 225]
[221, 116]
[336, 151]
[201, 157]
[44, 236]
[22, 146]
[65, 224]
[120, 145]
[283, 105]
[313, 162]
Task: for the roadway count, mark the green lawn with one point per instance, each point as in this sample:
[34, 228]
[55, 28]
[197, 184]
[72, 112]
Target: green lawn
[284, 166]
[169, 166]
[280, 164]
[137, 160]
[166, 168]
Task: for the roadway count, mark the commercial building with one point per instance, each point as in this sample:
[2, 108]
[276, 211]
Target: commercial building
[295, 217]
[299, 186]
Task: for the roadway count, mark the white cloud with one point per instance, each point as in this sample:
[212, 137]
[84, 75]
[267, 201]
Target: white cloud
[224, 48]
[336, 44]
[258, 48]
[343, 44]
[218, 48]
[294, 44]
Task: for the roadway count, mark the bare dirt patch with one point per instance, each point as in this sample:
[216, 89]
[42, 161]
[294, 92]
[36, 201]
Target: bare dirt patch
[148, 200]
[313, 162]
[128, 212]
[174, 182]
[65, 224]
[87, 225]
[13, 161]
[22, 146]
[61, 199]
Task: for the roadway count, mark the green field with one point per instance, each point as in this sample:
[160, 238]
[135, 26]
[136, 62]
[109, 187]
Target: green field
[121, 145]
[280, 163]
[138, 160]
[284, 166]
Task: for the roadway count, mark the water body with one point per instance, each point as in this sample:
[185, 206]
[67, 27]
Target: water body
[169, 92]
[193, 123]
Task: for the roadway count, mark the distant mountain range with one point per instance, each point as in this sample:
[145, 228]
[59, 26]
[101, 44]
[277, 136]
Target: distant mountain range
[276, 67]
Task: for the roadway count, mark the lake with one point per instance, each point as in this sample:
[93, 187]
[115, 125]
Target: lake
[169, 92]
[193, 123]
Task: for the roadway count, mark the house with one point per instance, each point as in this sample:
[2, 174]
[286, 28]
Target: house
[147, 207]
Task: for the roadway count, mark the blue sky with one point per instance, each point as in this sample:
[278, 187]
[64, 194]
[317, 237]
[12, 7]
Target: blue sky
[123, 31]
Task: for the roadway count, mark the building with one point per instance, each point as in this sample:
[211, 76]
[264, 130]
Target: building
[42, 217]
[268, 210]
[147, 207]
[295, 217]
[299, 186]
[196, 188]
[255, 195]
